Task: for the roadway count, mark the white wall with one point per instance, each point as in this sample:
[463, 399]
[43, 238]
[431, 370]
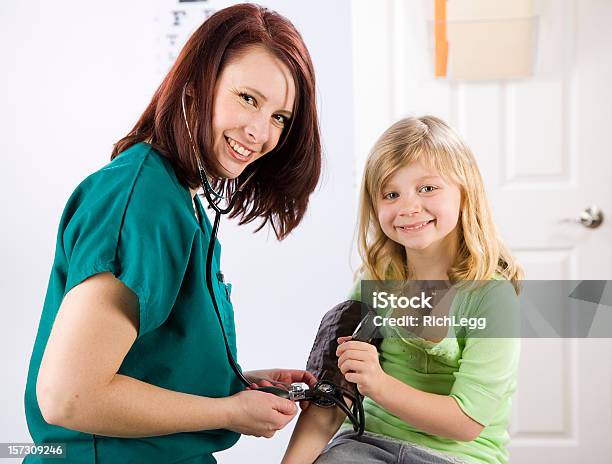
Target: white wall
[75, 77]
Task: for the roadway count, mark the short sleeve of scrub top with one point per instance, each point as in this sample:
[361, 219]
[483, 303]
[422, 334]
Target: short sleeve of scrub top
[133, 218]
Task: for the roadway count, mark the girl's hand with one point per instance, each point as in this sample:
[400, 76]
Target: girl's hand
[358, 362]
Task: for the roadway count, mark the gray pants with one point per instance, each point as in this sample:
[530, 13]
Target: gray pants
[348, 448]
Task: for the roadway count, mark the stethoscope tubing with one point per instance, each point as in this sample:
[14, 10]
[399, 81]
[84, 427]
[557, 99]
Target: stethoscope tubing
[357, 414]
[209, 285]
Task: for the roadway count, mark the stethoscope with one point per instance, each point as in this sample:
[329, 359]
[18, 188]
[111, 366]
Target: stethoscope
[324, 393]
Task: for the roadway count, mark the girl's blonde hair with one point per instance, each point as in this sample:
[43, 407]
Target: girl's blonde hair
[481, 252]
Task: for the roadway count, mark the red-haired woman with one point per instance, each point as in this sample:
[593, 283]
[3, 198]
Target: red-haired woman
[130, 363]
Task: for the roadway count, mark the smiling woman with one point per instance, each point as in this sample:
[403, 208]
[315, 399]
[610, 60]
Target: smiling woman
[130, 362]
[243, 62]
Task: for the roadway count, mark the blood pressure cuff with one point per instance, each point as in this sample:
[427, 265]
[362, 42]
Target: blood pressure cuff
[340, 321]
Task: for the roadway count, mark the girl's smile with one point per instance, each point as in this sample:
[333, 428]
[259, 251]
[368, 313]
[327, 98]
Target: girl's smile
[415, 226]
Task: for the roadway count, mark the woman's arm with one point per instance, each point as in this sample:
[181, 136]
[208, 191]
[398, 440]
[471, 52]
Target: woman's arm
[314, 428]
[78, 386]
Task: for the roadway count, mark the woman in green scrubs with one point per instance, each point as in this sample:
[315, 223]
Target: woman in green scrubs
[129, 363]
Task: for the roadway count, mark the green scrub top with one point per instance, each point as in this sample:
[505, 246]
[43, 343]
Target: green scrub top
[135, 219]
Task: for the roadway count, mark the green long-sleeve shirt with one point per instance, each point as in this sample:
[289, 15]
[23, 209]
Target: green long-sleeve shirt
[479, 373]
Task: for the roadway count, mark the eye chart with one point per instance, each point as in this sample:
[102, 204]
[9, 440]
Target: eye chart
[177, 20]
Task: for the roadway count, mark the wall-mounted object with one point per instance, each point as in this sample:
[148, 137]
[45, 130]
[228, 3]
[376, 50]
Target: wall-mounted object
[484, 39]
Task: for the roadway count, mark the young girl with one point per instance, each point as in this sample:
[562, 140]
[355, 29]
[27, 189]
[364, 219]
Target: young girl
[429, 399]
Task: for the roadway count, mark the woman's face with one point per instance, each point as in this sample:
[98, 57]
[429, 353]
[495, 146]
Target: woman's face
[253, 102]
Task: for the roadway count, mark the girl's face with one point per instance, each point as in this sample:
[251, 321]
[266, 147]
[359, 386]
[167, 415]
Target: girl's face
[417, 208]
[253, 100]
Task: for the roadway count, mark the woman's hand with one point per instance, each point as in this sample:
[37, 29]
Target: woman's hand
[358, 362]
[259, 414]
[284, 377]
[281, 378]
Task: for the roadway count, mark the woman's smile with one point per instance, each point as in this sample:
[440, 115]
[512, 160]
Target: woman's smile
[238, 151]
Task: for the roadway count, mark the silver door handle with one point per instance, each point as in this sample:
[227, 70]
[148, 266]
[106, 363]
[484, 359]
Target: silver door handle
[591, 217]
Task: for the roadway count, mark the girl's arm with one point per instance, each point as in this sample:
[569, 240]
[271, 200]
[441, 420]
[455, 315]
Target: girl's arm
[315, 427]
[434, 414]
[78, 386]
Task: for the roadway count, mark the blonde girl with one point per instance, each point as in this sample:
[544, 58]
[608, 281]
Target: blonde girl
[431, 398]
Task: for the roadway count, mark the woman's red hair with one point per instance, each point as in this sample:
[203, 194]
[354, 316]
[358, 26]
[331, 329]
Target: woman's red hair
[285, 177]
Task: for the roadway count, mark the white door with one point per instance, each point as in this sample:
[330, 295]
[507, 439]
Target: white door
[544, 147]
